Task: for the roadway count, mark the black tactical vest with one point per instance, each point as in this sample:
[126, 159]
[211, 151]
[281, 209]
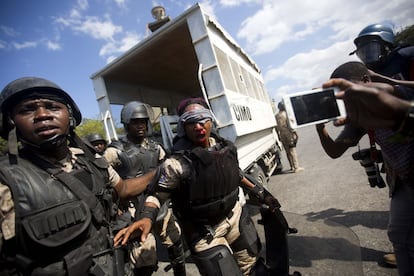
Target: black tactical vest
[398, 64]
[212, 190]
[56, 231]
[136, 160]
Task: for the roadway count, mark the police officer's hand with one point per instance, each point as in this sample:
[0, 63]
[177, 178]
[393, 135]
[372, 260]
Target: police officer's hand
[272, 202]
[142, 226]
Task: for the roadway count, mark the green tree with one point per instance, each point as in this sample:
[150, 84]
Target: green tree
[89, 126]
[405, 36]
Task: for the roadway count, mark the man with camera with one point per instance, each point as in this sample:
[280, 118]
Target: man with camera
[398, 158]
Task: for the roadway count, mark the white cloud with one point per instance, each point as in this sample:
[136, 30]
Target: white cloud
[83, 4]
[311, 38]
[24, 45]
[278, 23]
[54, 46]
[117, 47]
[8, 31]
[233, 3]
[110, 59]
[307, 70]
[98, 29]
[121, 3]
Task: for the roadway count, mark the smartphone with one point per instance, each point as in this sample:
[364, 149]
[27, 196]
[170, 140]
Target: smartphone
[313, 107]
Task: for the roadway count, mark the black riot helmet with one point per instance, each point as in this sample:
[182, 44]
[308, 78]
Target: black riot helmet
[95, 137]
[137, 110]
[32, 87]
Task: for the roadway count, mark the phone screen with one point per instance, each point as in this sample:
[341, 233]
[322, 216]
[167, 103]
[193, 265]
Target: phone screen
[315, 106]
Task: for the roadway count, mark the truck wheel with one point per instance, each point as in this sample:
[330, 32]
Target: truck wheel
[260, 176]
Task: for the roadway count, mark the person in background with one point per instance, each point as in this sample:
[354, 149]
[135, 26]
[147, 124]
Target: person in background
[202, 178]
[288, 137]
[98, 142]
[397, 154]
[133, 155]
[57, 198]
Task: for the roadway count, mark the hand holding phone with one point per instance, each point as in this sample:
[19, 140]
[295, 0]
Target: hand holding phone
[313, 107]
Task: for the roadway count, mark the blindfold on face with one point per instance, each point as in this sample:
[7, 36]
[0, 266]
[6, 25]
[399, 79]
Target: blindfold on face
[201, 116]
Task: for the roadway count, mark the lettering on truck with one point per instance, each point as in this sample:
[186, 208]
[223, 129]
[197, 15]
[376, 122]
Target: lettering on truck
[242, 112]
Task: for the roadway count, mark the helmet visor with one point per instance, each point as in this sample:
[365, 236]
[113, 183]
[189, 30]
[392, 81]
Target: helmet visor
[370, 51]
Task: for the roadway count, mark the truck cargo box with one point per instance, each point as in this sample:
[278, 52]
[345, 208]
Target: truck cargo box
[193, 56]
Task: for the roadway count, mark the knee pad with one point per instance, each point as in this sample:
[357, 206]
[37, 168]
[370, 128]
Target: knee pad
[217, 261]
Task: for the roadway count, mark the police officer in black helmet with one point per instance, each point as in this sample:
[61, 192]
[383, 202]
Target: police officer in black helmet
[135, 154]
[377, 49]
[98, 142]
[56, 196]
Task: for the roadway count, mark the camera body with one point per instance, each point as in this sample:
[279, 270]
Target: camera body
[371, 166]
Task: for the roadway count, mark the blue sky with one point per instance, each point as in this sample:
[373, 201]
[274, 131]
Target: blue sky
[296, 43]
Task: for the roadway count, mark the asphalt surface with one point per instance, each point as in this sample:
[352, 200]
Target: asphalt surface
[341, 220]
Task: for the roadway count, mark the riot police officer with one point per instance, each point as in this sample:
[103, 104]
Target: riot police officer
[133, 155]
[202, 178]
[377, 49]
[98, 142]
[57, 209]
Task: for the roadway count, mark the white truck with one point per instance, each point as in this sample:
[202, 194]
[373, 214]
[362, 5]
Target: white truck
[193, 56]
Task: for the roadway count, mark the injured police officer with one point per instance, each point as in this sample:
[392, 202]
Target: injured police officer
[202, 178]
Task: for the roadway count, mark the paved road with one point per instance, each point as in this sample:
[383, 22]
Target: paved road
[341, 220]
[334, 193]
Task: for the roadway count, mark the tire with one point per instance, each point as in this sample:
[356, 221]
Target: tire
[259, 175]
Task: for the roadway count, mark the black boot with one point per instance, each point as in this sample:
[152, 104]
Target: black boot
[177, 257]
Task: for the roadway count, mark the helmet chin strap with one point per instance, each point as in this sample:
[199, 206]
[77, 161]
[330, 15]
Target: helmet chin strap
[48, 144]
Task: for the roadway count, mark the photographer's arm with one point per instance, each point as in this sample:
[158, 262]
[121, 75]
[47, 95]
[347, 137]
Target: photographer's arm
[333, 148]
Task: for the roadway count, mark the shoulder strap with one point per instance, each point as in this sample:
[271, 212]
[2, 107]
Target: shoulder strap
[372, 148]
[75, 186]
[83, 193]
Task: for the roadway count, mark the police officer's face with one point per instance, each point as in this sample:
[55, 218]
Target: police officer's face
[40, 119]
[198, 132]
[99, 146]
[137, 128]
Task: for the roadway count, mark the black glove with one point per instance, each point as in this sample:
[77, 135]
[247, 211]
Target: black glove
[265, 197]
